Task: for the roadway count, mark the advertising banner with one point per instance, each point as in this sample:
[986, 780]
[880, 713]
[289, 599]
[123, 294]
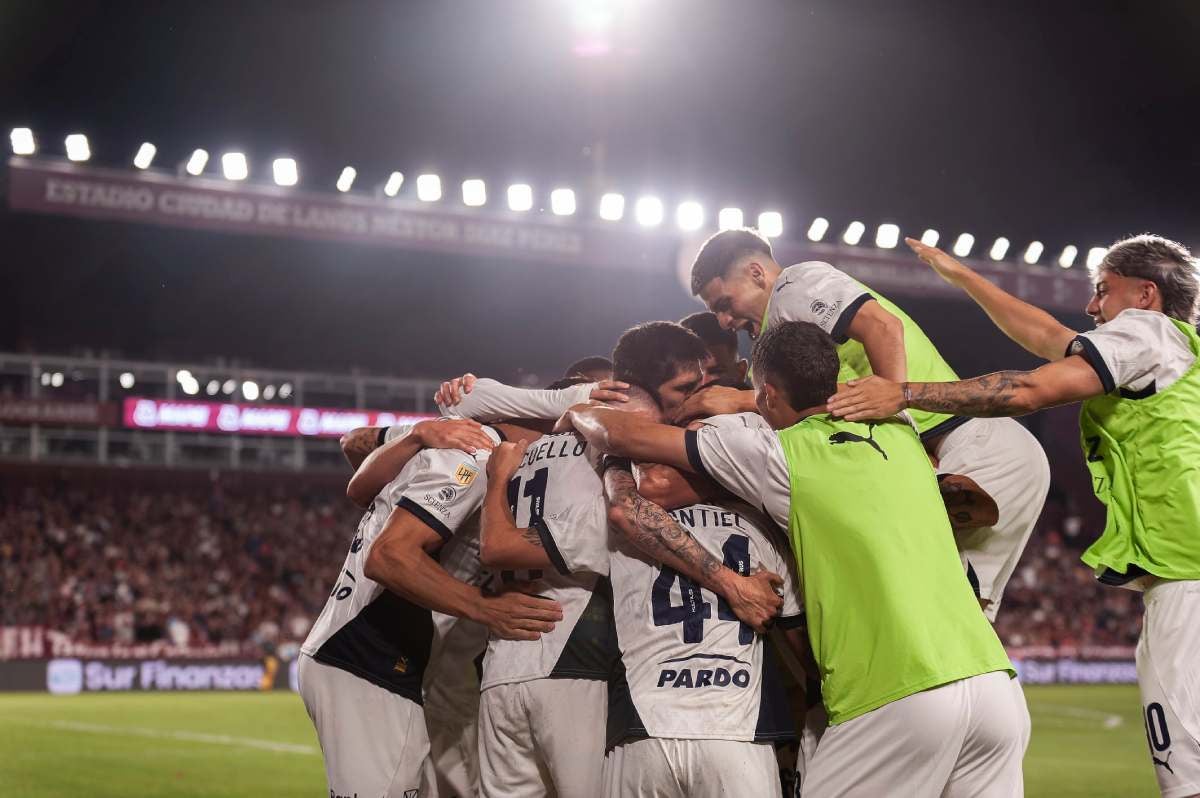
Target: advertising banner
[71, 676]
[246, 419]
[44, 411]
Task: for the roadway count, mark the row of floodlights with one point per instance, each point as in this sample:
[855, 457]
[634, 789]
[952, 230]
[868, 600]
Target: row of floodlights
[250, 389]
[648, 210]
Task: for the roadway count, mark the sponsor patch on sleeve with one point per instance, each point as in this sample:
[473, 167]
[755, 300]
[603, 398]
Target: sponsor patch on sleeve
[466, 474]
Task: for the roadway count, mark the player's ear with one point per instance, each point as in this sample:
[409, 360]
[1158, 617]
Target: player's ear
[1147, 295]
[756, 273]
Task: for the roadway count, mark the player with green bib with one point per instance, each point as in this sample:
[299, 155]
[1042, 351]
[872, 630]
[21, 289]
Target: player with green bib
[919, 693]
[1138, 377]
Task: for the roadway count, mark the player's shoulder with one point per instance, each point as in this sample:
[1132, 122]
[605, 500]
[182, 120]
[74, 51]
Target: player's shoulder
[1136, 329]
[744, 421]
[799, 276]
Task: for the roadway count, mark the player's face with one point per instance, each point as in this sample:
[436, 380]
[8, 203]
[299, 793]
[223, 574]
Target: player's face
[738, 299]
[1114, 293]
[724, 367]
[765, 398]
[687, 380]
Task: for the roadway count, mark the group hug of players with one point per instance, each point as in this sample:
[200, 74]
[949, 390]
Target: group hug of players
[604, 587]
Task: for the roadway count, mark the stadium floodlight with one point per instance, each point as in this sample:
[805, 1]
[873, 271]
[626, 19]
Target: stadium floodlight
[854, 233]
[285, 390]
[562, 201]
[345, 180]
[228, 387]
[196, 162]
[1033, 252]
[689, 215]
[930, 237]
[46, 378]
[145, 155]
[212, 387]
[392, 187]
[1067, 258]
[22, 141]
[234, 166]
[999, 249]
[770, 224]
[612, 207]
[520, 197]
[269, 392]
[474, 192]
[887, 236]
[183, 375]
[127, 380]
[250, 390]
[729, 218]
[963, 244]
[818, 228]
[56, 379]
[429, 188]
[1095, 256]
[648, 211]
[77, 147]
[285, 171]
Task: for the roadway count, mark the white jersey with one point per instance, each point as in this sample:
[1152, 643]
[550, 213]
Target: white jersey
[557, 491]
[1140, 352]
[816, 292]
[692, 670]
[366, 629]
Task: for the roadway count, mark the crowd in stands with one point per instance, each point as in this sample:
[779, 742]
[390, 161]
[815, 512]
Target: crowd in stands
[209, 560]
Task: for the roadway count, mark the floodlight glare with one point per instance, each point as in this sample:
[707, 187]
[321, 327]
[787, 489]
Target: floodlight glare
[887, 236]
[1067, 258]
[612, 207]
[22, 141]
[392, 186]
[285, 390]
[285, 172]
[429, 188]
[229, 387]
[213, 387]
[818, 228]
[474, 193]
[854, 233]
[999, 249]
[770, 224]
[77, 147]
[269, 392]
[191, 387]
[963, 244]
[183, 375]
[197, 162]
[1095, 255]
[689, 215]
[562, 201]
[930, 238]
[1033, 252]
[56, 379]
[520, 197]
[145, 155]
[345, 180]
[127, 380]
[729, 218]
[250, 390]
[648, 211]
[234, 166]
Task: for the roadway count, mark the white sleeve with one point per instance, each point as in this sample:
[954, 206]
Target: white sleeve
[491, 400]
[732, 456]
[397, 431]
[816, 292]
[1133, 349]
[443, 488]
[576, 539]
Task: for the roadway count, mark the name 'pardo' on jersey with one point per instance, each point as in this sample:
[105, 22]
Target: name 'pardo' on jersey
[692, 669]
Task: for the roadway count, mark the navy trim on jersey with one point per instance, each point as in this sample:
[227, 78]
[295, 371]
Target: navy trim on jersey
[791, 622]
[1117, 579]
[499, 434]
[591, 652]
[1145, 393]
[692, 443]
[839, 332]
[538, 524]
[775, 721]
[425, 517]
[624, 722]
[1092, 355]
[942, 427]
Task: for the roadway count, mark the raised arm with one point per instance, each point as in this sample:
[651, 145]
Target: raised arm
[1032, 328]
[502, 544]
[359, 442]
[489, 400]
[628, 435]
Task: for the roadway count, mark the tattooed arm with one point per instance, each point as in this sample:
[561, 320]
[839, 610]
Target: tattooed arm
[651, 530]
[502, 544]
[360, 442]
[968, 505]
[1004, 393]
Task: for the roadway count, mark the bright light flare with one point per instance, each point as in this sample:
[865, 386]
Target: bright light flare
[285, 171]
[1033, 252]
[250, 390]
[429, 188]
[145, 155]
[520, 197]
[648, 211]
[197, 162]
[963, 244]
[729, 218]
[818, 228]
[612, 207]
[1067, 259]
[770, 224]
[77, 147]
[999, 249]
[887, 236]
[392, 187]
[689, 215]
[22, 141]
[127, 380]
[1095, 256]
[345, 180]
[854, 233]
[474, 192]
[562, 202]
[234, 166]
[930, 237]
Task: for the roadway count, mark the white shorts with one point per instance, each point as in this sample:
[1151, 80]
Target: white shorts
[1168, 668]
[961, 740]
[542, 737]
[452, 705]
[373, 740]
[1004, 459]
[672, 768]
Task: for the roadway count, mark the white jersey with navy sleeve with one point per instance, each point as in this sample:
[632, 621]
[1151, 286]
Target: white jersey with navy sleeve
[692, 670]
[1140, 352]
[816, 292]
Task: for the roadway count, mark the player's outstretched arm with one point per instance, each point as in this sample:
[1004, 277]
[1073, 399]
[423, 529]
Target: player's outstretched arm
[490, 400]
[627, 435]
[400, 560]
[502, 544]
[656, 534]
[1032, 328]
[882, 335]
[383, 464]
[1004, 393]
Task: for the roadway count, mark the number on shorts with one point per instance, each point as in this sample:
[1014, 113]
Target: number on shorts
[1156, 727]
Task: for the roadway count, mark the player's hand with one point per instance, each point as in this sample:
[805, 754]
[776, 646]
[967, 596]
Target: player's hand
[504, 462]
[513, 614]
[715, 400]
[867, 399]
[755, 599]
[947, 267]
[565, 423]
[610, 391]
[453, 391]
[463, 434]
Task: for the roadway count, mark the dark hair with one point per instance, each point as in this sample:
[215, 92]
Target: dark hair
[705, 325]
[650, 353]
[583, 365]
[721, 251]
[566, 382]
[800, 358]
[1163, 262]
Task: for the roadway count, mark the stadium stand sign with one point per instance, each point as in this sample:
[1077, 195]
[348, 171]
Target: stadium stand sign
[71, 676]
[43, 411]
[247, 419]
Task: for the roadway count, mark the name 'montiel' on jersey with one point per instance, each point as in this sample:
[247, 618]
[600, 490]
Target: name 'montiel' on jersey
[557, 491]
[366, 629]
[692, 670]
